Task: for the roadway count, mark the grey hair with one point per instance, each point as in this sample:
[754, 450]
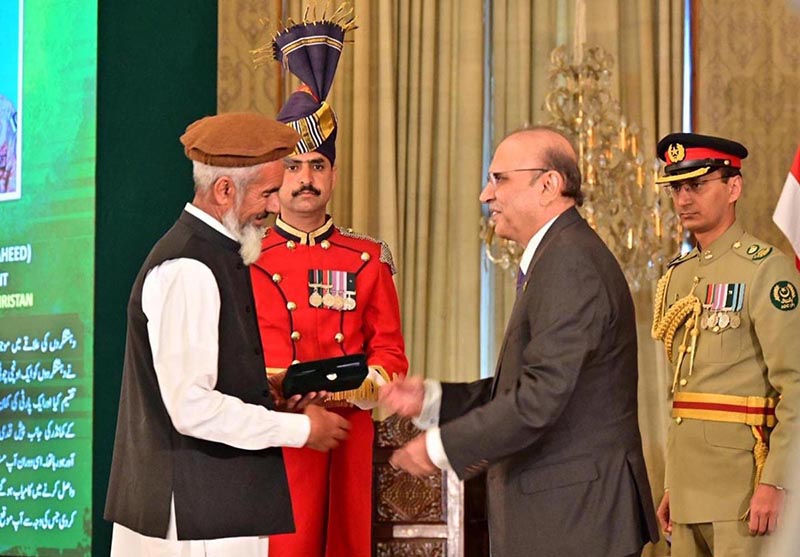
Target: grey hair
[205, 175]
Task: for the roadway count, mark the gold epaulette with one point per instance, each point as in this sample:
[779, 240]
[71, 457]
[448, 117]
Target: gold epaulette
[386, 253]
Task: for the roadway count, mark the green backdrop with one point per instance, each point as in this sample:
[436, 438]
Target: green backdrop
[157, 72]
[46, 243]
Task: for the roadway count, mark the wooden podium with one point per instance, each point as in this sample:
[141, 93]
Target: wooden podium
[437, 516]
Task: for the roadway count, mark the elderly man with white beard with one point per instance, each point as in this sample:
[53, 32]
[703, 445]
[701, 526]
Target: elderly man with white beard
[198, 444]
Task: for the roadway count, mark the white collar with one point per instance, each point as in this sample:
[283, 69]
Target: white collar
[209, 220]
[530, 249]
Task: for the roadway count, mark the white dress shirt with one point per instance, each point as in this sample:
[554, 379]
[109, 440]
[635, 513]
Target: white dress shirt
[432, 403]
[181, 301]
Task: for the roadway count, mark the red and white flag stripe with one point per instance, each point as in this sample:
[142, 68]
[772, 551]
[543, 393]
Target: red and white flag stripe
[787, 211]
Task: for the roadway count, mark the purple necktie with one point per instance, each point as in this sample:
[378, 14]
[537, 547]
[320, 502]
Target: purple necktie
[520, 280]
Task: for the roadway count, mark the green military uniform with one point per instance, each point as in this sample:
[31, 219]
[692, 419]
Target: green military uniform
[710, 464]
[727, 313]
[746, 346]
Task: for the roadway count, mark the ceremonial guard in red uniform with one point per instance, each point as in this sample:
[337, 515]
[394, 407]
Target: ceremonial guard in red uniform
[321, 292]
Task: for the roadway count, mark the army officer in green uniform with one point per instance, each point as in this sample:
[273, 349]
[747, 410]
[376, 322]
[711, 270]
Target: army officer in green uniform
[727, 314]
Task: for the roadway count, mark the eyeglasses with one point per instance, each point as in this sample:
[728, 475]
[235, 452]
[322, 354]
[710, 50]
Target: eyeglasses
[495, 178]
[691, 186]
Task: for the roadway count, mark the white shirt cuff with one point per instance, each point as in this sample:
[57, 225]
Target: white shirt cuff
[431, 405]
[433, 444]
[295, 428]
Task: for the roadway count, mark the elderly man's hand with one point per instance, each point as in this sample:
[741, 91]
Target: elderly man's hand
[296, 403]
[413, 458]
[403, 396]
[327, 429]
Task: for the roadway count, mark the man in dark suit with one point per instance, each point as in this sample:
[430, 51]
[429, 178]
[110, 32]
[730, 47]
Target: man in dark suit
[556, 428]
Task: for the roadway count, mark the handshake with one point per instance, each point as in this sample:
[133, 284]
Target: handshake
[402, 396]
[405, 397]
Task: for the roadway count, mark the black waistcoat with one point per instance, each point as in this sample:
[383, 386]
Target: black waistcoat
[220, 491]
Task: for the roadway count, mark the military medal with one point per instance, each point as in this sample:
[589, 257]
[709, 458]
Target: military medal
[327, 296]
[314, 299]
[726, 300]
[349, 301]
[336, 281]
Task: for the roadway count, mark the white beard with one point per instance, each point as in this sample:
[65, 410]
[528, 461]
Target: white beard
[248, 235]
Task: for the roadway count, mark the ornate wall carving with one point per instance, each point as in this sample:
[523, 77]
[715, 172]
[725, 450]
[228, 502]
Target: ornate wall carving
[404, 498]
[394, 432]
[747, 88]
[411, 548]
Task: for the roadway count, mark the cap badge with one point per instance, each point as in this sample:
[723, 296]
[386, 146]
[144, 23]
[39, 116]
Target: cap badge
[676, 152]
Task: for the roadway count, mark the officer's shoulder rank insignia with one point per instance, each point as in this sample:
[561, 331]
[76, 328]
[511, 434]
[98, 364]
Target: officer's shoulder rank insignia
[783, 295]
[762, 253]
[753, 249]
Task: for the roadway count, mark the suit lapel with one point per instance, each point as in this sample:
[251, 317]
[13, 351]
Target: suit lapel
[565, 219]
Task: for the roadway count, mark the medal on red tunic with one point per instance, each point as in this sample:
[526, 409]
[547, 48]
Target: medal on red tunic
[314, 286]
[327, 295]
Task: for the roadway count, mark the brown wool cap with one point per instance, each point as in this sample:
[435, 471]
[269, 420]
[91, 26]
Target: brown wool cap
[237, 139]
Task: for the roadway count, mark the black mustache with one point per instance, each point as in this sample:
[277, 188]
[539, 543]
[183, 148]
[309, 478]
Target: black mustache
[306, 188]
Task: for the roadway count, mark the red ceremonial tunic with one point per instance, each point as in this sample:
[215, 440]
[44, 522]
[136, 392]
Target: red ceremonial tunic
[324, 294]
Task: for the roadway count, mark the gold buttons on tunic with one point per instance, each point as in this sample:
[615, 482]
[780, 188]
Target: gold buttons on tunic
[678, 420]
[683, 382]
[291, 306]
[277, 278]
[737, 244]
[339, 337]
[295, 362]
[324, 244]
[296, 335]
[364, 256]
[290, 244]
[708, 255]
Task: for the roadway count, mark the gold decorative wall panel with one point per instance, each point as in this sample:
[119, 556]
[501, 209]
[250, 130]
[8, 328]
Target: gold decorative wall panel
[747, 88]
[240, 85]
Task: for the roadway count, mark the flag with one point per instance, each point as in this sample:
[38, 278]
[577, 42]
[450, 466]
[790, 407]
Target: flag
[787, 211]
